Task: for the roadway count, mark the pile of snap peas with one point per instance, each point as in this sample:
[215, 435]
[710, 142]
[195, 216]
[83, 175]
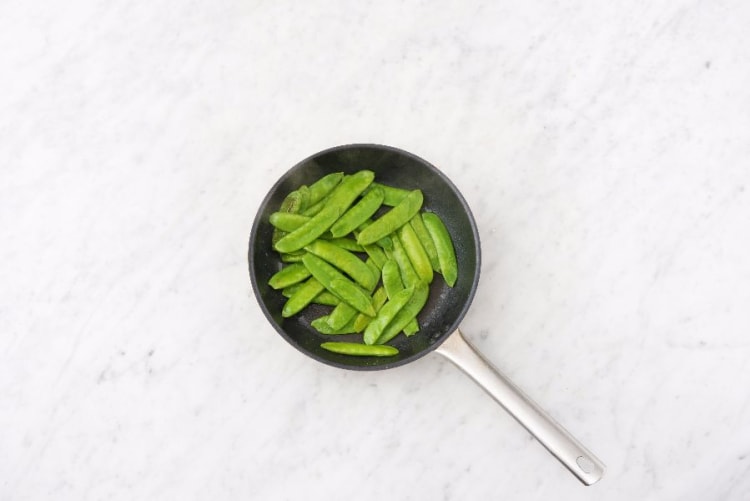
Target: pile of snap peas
[375, 273]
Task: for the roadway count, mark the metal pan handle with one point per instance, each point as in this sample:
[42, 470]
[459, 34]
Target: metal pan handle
[571, 453]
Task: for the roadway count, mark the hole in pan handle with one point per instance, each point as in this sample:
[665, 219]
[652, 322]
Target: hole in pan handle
[571, 453]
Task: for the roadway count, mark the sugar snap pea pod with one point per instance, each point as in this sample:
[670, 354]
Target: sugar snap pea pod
[347, 244]
[292, 258]
[304, 192]
[287, 221]
[391, 276]
[314, 209]
[323, 186]
[416, 253]
[376, 254]
[345, 261]
[375, 271]
[342, 197]
[407, 314]
[392, 196]
[291, 204]
[424, 237]
[378, 300]
[411, 328]
[443, 245]
[358, 213]
[341, 315]
[408, 276]
[322, 325]
[358, 349]
[338, 284]
[386, 314]
[289, 275]
[393, 219]
[325, 298]
[291, 289]
[302, 297]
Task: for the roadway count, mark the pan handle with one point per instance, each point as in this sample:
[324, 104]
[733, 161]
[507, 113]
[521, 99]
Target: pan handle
[571, 453]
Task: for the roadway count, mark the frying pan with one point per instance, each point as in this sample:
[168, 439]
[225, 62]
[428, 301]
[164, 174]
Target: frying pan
[440, 318]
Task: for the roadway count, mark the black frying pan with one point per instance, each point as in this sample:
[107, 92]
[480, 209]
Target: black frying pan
[440, 318]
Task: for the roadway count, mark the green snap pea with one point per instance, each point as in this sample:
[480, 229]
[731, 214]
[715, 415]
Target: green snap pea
[323, 325]
[313, 210]
[386, 314]
[345, 261]
[290, 204]
[360, 349]
[292, 258]
[325, 298]
[411, 328]
[324, 186]
[416, 253]
[391, 196]
[426, 240]
[391, 276]
[338, 284]
[407, 314]
[304, 193]
[358, 213]
[393, 219]
[376, 254]
[341, 315]
[287, 221]
[340, 200]
[378, 300]
[348, 244]
[408, 276]
[443, 245]
[289, 275]
[302, 297]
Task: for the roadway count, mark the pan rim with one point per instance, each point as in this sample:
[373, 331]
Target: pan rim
[387, 365]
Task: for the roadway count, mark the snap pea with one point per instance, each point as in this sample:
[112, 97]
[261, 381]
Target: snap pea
[323, 325]
[378, 300]
[292, 258]
[287, 221]
[391, 276]
[424, 237]
[408, 275]
[338, 284]
[340, 200]
[325, 298]
[302, 297]
[347, 244]
[393, 219]
[304, 193]
[386, 314]
[393, 284]
[416, 253]
[323, 186]
[341, 315]
[291, 204]
[358, 349]
[345, 261]
[376, 254]
[443, 245]
[314, 209]
[288, 275]
[407, 314]
[411, 328]
[391, 196]
[358, 213]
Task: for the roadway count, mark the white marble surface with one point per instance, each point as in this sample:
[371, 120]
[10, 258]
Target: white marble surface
[604, 148]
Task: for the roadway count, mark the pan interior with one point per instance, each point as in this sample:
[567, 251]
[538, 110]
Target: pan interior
[445, 307]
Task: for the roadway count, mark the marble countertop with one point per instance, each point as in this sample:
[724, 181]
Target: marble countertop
[604, 150]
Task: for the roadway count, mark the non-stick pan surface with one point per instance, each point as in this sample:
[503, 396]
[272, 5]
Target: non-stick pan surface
[446, 306]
